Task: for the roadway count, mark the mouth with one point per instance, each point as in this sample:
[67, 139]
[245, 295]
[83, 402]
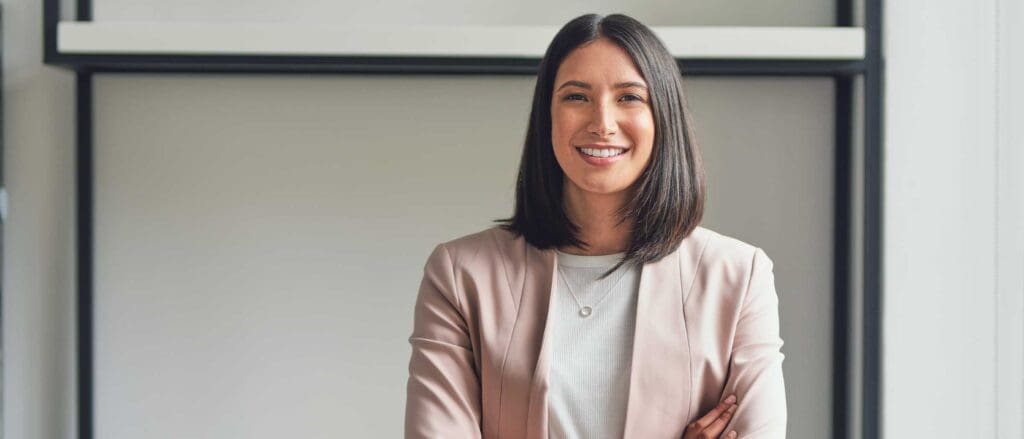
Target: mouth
[601, 151]
[601, 155]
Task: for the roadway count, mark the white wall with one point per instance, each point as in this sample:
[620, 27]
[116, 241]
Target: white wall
[1010, 220]
[38, 282]
[954, 205]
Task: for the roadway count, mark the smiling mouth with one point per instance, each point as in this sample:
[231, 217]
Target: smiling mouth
[601, 152]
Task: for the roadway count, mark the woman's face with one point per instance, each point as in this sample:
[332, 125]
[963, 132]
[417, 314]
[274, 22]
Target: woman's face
[600, 107]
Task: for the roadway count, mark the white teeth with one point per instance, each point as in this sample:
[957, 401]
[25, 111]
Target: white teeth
[604, 152]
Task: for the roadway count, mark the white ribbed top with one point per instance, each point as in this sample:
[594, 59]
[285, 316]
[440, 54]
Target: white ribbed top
[591, 356]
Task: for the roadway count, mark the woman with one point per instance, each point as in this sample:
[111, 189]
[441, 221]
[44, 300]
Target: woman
[600, 308]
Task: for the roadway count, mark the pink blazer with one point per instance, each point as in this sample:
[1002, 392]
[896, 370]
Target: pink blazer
[707, 324]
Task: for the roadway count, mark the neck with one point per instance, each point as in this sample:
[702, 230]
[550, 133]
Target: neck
[595, 215]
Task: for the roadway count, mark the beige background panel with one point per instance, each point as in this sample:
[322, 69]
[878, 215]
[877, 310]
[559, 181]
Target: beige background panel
[260, 239]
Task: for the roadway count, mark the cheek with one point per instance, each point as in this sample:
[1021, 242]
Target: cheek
[563, 126]
[560, 119]
[561, 138]
[642, 131]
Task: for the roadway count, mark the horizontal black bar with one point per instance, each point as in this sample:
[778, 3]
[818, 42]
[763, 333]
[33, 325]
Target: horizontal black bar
[745, 67]
[418, 65]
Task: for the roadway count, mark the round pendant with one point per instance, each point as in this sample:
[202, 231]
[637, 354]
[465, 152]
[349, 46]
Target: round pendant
[585, 311]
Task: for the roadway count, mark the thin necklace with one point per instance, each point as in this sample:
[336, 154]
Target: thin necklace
[585, 311]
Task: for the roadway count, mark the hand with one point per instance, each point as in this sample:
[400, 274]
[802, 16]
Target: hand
[710, 426]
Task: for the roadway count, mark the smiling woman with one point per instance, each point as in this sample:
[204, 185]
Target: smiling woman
[608, 85]
[509, 339]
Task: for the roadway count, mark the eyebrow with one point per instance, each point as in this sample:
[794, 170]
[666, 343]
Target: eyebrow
[582, 84]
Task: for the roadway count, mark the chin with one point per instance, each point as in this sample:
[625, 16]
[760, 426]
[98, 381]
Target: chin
[604, 189]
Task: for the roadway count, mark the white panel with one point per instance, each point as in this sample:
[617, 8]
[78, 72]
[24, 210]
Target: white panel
[462, 12]
[524, 41]
[939, 340]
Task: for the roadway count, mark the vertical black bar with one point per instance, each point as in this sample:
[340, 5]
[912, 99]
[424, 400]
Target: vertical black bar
[83, 11]
[841, 239]
[844, 13]
[873, 409]
[84, 205]
[51, 16]
[84, 177]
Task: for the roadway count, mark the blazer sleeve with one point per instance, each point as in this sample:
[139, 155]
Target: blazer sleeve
[443, 389]
[755, 372]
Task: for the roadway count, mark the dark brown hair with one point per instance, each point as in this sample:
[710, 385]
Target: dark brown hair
[669, 201]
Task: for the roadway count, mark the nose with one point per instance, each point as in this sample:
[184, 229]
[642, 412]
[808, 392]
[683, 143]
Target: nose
[602, 121]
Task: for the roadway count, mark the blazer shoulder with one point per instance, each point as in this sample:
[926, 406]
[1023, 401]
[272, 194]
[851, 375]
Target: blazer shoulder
[486, 243]
[728, 266]
[728, 251]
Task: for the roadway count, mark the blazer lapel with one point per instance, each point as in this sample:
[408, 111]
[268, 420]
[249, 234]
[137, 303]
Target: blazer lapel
[524, 372]
[660, 375]
[537, 416]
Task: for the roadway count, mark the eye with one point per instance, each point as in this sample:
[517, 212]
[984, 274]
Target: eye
[573, 97]
[632, 97]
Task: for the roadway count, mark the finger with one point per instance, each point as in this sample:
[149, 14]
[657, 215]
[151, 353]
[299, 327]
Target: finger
[707, 419]
[716, 427]
[731, 435]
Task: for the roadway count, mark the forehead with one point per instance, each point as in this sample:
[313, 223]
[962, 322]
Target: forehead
[598, 61]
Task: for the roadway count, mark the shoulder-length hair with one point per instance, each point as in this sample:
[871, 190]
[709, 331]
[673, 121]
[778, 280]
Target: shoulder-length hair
[669, 201]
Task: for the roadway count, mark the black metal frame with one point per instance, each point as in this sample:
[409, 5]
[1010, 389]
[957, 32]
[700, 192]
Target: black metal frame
[874, 98]
[844, 72]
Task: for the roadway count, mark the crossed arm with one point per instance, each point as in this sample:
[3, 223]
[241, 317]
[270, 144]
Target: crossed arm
[755, 369]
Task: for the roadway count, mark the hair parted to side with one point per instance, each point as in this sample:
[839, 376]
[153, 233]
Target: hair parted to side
[669, 201]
